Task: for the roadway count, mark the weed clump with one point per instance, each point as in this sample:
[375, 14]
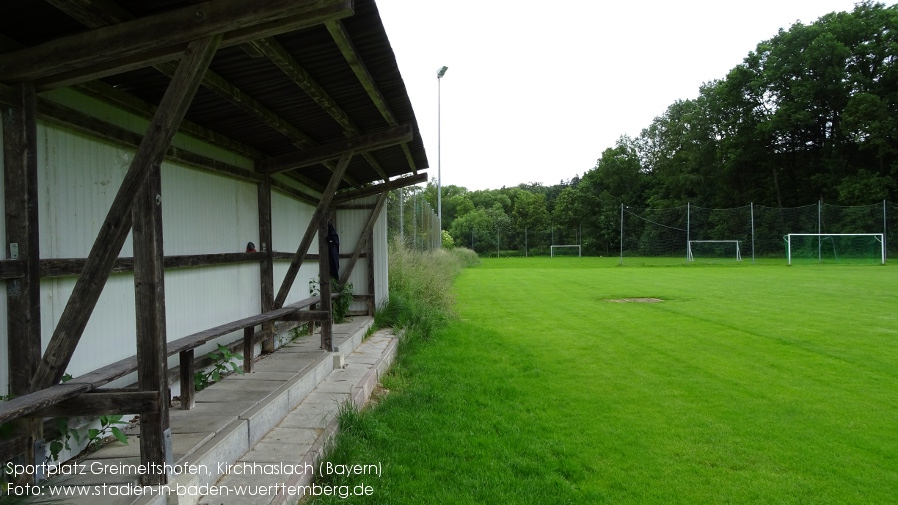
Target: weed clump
[421, 288]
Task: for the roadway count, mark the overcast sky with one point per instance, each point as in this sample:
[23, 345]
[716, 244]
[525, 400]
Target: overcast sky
[535, 91]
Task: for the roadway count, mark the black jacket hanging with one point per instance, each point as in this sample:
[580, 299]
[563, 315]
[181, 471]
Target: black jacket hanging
[333, 250]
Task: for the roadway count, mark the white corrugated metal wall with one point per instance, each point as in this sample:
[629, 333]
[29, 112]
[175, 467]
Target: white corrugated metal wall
[203, 213]
[381, 261]
[350, 223]
[289, 220]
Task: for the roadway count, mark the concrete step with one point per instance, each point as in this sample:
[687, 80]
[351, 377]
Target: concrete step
[279, 469]
[230, 418]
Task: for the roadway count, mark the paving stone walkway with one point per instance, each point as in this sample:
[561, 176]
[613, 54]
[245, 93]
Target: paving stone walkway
[251, 439]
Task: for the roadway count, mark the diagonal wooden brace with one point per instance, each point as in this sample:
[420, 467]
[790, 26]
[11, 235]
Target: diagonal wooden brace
[363, 238]
[312, 229]
[117, 224]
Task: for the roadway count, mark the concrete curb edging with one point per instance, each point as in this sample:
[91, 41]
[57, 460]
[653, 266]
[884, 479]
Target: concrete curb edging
[360, 395]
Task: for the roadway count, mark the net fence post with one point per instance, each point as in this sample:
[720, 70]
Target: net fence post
[688, 211]
[819, 231]
[621, 234]
[752, 210]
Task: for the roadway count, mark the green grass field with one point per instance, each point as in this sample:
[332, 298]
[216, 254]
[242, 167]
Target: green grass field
[746, 384]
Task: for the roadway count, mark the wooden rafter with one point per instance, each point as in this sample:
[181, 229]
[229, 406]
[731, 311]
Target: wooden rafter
[117, 224]
[276, 53]
[334, 150]
[237, 37]
[380, 188]
[84, 123]
[137, 43]
[250, 105]
[93, 13]
[94, 16]
[347, 48]
[130, 103]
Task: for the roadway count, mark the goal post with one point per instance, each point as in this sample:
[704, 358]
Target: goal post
[553, 247]
[737, 254]
[836, 247]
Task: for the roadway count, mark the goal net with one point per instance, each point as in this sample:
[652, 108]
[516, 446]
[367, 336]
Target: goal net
[855, 248]
[565, 250]
[714, 249]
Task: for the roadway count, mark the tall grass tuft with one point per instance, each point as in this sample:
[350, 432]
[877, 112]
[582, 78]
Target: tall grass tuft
[420, 288]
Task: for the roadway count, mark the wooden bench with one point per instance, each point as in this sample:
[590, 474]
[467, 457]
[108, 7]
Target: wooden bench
[32, 404]
[185, 346]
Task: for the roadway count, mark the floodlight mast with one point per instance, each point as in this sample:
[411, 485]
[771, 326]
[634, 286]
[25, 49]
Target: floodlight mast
[440, 73]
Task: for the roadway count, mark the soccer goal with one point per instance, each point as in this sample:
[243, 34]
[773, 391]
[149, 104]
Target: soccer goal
[836, 247]
[714, 249]
[553, 253]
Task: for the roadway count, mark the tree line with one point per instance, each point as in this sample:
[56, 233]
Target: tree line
[810, 115]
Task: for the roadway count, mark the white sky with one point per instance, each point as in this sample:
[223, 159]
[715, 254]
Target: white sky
[535, 91]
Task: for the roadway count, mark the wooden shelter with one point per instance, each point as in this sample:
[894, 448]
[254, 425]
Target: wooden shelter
[257, 116]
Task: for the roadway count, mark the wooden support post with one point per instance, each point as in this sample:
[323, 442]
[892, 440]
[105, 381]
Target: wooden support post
[149, 298]
[188, 389]
[326, 198]
[248, 334]
[117, 224]
[363, 238]
[23, 302]
[324, 285]
[314, 306]
[370, 264]
[22, 238]
[267, 264]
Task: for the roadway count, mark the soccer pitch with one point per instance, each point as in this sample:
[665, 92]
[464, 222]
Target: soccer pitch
[574, 380]
[744, 384]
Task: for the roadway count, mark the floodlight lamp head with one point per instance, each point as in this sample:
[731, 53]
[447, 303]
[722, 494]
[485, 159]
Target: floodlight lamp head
[441, 72]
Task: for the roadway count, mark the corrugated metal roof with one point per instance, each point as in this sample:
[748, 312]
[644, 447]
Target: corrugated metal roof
[314, 50]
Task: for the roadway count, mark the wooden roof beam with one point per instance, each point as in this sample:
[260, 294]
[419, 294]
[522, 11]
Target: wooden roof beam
[98, 13]
[137, 43]
[401, 182]
[276, 53]
[93, 13]
[344, 42]
[128, 102]
[253, 107]
[379, 140]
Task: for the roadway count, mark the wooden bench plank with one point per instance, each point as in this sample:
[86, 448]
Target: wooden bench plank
[201, 337]
[24, 405]
[96, 403]
[108, 373]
